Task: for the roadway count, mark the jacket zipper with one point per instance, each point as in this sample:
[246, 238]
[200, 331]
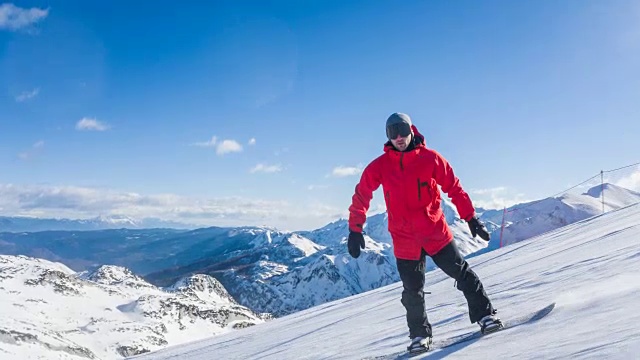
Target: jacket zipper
[401, 156]
[419, 195]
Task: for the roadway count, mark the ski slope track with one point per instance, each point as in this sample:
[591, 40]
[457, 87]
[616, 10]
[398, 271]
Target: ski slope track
[590, 269]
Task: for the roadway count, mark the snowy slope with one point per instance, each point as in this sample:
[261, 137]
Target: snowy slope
[48, 311]
[526, 220]
[589, 268]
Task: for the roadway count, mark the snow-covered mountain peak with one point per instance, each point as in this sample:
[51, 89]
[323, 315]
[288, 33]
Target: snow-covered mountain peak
[306, 246]
[526, 220]
[253, 231]
[51, 312]
[328, 235]
[614, 195]
[283, 245]
[120, 220]
[203, 287]
[267, 237]
[116, 275]
[39, 274]
[28, 265]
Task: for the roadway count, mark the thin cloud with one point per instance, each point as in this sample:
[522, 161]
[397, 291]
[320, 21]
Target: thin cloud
[317, 187]
[14, 18]
[91, 124]
[631, 182]
[81, 203]
[252, 141]
[31, 153]
[222, 147]
[210, 143]
[228, 146]
[489, 191]
[27, 95]
[344, 171]
[496, 198]
[264, 168]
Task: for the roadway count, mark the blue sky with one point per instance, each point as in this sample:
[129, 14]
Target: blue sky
[264, 112]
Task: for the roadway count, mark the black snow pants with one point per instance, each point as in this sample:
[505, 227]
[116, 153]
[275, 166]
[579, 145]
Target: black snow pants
[453, 264]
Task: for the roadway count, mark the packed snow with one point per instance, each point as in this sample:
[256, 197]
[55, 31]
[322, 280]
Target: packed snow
[49, 311]
[589, 269]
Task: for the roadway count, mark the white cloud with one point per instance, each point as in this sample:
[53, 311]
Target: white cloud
[252, 141]
[495, 198]
[489, 191]
[631, 182]
[26, 95]
[228, 146]
[266, 168]
[35, 149]
[91, 124]
[322, 210]
[82, 203]
[14, 18]
[210, 143]
[222, 147]
[317, 187]
[343, 171]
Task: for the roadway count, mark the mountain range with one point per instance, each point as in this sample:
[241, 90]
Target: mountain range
[30, 224]
[264, 270]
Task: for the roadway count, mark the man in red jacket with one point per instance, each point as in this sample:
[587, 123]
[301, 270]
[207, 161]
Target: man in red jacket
[410, 174]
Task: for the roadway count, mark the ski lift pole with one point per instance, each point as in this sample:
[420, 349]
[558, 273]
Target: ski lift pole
[602, 188]
[504, 213]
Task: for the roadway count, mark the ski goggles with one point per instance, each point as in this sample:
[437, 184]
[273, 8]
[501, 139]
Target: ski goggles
[403, 129]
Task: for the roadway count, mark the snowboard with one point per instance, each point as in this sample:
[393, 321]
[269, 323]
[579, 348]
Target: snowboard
[472, 335]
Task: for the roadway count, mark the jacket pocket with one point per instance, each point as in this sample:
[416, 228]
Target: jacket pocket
[424, 191]
[433, 209]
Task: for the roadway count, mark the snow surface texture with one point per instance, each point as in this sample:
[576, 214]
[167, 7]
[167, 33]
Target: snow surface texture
[589, 268]
[524, 221]
[50, 312]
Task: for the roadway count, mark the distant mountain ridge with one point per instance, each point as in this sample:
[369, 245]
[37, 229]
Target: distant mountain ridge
[31, 224]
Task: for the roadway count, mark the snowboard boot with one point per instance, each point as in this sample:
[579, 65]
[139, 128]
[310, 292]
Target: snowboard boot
[489, 324]
[419, 345]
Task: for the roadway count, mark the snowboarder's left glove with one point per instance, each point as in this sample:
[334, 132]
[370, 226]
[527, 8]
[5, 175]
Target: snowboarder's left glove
[477, 228]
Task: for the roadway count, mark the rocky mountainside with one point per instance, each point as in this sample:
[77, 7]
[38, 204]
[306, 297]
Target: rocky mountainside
[50, 311]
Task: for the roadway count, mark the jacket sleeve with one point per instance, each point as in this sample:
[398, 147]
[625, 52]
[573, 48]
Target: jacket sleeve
[369, 182]
[451, 185]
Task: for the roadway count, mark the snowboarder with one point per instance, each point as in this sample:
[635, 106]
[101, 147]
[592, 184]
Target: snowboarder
[410, 173]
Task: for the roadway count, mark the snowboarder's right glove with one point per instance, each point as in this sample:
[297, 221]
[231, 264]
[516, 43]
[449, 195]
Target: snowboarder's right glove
[355, 242]
[477, 228]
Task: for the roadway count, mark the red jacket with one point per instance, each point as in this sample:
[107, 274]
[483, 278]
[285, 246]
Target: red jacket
[410, 182]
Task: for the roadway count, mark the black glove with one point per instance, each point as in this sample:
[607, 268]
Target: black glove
[356, 241]
[477, 228]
